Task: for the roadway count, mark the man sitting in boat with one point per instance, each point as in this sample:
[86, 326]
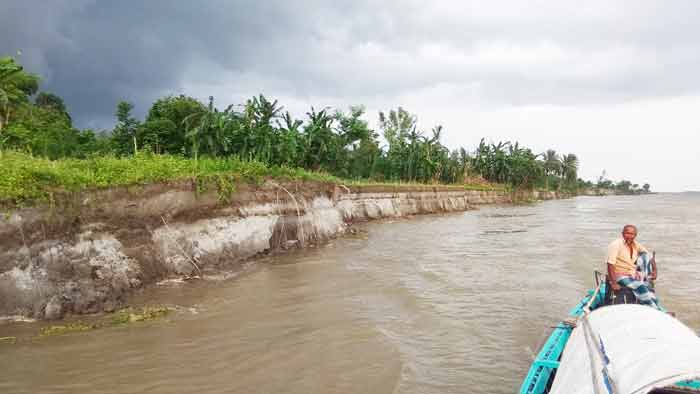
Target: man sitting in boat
[630, 270]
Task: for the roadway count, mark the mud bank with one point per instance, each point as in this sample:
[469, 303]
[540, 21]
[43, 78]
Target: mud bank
[85, 253]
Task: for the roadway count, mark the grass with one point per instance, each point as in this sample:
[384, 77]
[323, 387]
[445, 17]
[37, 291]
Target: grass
[26, 180]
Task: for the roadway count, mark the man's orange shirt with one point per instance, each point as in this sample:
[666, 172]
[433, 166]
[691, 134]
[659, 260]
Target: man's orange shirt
[619, 256]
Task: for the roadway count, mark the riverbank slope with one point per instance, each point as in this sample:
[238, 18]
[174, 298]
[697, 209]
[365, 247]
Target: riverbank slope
[85, 252]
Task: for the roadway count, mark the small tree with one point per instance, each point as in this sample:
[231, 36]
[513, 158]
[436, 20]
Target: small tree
[165, 122]
[16, 86]
[124, 135]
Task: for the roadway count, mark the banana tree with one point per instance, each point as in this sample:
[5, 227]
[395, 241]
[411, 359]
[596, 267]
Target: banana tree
[206, 130]
[288, 149]
[319, 140]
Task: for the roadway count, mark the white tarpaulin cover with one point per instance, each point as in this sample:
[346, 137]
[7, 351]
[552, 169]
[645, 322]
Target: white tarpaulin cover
[642, 349]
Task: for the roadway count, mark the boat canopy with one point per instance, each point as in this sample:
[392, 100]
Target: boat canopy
[627, 349]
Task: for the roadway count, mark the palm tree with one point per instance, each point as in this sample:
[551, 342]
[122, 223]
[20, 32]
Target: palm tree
[569, 168]
[551, 164]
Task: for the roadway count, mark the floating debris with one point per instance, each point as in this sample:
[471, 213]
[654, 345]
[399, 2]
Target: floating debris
[129, 315]
[67, 328]
[121, 317]
[9, 340]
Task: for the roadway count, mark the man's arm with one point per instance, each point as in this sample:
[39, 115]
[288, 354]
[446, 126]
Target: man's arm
[610, 262]
[612, 277]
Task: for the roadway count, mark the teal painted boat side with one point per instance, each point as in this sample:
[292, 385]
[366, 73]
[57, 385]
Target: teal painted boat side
[689, 384]
[547, 360]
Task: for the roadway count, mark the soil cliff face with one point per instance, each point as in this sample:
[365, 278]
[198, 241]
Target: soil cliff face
[84, 253]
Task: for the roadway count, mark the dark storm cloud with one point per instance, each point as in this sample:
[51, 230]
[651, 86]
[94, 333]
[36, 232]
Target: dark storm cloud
[96, 53]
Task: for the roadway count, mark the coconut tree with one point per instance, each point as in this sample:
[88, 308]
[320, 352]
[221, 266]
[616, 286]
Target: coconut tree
[551, 164]
[569, 168]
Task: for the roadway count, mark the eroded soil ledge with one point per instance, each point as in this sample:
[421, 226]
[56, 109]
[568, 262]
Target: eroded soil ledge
[84, 253]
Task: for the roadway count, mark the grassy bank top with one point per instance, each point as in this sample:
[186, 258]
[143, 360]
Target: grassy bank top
[26, 180]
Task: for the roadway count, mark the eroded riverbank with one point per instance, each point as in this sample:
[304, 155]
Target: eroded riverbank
[85, 253]
[449, 303]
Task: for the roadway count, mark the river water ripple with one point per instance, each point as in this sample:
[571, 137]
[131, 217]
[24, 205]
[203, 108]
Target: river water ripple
[434, 304]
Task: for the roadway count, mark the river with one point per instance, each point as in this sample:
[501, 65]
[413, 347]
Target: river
[453, 303]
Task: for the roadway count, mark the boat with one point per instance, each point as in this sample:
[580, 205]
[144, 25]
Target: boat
[616, 349]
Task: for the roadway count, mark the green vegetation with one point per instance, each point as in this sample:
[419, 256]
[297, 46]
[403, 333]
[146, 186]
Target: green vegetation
[119, 318]
[42, 127]
[26, 178]
[130, 315]
[42, 153]
[8, 340]
[66, 328]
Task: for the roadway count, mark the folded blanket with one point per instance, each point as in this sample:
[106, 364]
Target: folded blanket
[639, 283]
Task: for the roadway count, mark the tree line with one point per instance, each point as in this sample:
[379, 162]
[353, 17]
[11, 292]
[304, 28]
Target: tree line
[621, 187]
[340, 142]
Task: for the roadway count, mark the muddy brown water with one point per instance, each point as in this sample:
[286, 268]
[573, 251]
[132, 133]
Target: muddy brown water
[434, 304]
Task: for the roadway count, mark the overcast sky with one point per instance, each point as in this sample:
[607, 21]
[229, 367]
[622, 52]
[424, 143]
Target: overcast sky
[617, 83]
